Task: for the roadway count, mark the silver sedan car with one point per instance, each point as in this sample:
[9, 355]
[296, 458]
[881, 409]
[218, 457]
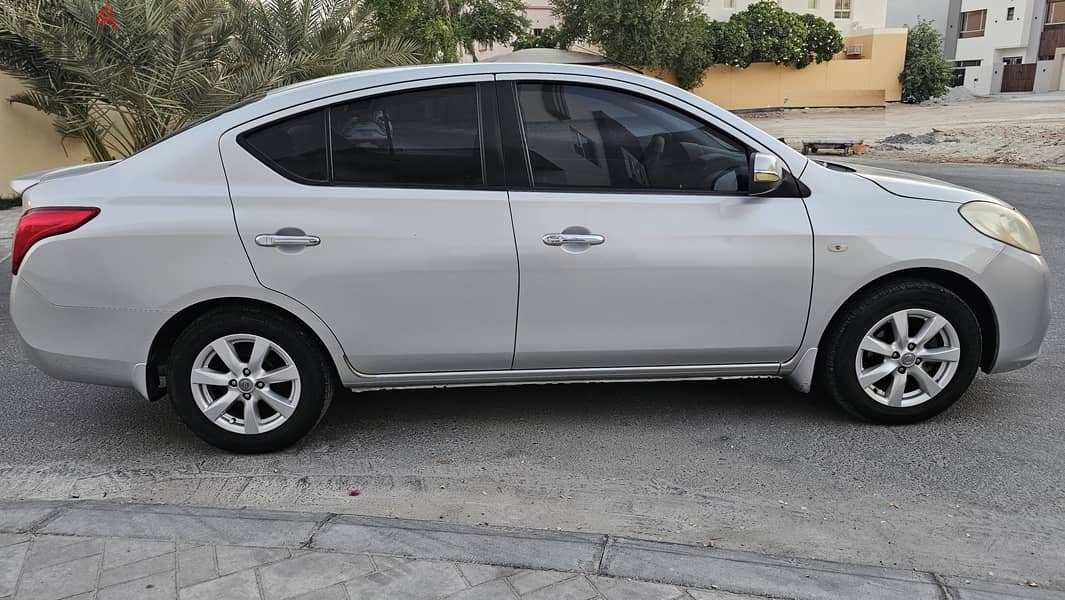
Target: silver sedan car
[498, 223]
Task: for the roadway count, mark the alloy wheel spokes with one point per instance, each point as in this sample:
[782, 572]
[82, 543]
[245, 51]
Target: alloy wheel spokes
[245, 384]
[907, 358]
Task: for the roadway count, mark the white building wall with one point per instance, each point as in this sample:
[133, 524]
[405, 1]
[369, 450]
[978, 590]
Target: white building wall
[865, 14]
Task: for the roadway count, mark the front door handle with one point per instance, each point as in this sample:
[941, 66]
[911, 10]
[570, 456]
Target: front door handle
[274, 239]
[585, 239]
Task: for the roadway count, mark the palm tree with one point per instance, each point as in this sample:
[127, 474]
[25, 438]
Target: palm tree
[167, 63]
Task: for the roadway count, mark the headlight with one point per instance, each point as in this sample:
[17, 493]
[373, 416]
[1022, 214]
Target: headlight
[1002, 223]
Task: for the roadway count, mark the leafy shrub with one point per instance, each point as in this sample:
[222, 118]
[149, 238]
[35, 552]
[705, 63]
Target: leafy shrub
[675, 35]
[926, 74]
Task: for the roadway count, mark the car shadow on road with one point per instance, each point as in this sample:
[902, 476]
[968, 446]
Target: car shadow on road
[590, 402]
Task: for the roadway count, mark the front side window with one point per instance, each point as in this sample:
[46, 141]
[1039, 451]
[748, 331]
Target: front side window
[426, 137]
[587, 137]
[973, 22]
[294, 147]
[843, 9]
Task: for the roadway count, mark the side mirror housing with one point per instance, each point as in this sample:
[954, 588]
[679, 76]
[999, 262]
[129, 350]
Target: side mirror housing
[767, 174]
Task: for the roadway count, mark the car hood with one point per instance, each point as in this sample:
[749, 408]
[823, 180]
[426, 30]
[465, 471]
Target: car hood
[916, 186]
[24, 182]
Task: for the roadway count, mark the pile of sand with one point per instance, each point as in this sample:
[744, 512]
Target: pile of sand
[955, 95]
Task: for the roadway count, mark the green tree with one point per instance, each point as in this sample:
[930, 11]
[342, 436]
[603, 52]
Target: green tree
[823, 40]
[166, 63]
[635, 32]
[550, 37]
[732, 44]
[926, 74]
[776, 35]
[442, 27]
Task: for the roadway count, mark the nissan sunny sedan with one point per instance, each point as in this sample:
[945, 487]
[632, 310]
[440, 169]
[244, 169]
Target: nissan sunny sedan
[502, 223]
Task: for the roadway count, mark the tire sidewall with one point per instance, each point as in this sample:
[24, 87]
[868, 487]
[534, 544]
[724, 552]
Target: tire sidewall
[314, 382]
[864, 316]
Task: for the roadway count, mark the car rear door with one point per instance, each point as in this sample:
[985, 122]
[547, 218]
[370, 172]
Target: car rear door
[637, 242]
[379, 213]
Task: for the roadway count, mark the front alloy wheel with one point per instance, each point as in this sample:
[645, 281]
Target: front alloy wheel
[900, 353]
[908, 357]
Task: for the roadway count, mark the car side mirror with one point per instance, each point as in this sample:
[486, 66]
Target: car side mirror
[767, 174]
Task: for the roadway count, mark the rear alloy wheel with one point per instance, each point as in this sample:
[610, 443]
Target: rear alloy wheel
[245, 384]
[248, 381]
[901, 353]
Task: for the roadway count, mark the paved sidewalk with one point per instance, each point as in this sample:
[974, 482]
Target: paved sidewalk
[89, 550]
[8, 219]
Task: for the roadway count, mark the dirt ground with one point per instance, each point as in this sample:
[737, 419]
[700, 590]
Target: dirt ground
[1015, 129]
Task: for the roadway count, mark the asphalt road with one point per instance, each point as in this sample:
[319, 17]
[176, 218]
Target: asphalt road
[978, 492]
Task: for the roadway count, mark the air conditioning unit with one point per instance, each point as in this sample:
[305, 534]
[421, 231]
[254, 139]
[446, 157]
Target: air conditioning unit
[854, 50]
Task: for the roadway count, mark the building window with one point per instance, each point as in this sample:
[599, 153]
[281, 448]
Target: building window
[843, 9]
[730, 3]
[973, 23]
[1056, 13]
[811, 4]
[1012, 60]
[1010, 12]
[961, 64]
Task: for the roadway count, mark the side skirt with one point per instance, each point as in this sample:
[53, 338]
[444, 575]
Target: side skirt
[366, 381]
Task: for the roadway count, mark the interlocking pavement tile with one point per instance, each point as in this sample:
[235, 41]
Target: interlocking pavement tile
[576, 588]
[10, 539]
[310, 572]
[385, 563]
[335, 592]
[154, 587]
[237, 558]
[236, 586]
[478, 574]
[493, 590]
[123, 552]
[529, 581]
[59, 581]
[416, 580]
[137, 570]
[48, 550]
[195, 565]
[614, 588]
[719, 595]
[10, 566]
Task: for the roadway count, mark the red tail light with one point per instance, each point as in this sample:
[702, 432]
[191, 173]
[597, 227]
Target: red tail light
[39, 223]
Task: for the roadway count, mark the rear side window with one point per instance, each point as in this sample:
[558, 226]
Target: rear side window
[295, 147]
[587, 137]
[426, 137]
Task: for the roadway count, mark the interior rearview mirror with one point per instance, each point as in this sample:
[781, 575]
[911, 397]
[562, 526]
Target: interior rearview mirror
[767, 173]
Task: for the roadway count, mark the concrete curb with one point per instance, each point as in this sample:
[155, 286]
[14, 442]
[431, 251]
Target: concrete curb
[588, 553]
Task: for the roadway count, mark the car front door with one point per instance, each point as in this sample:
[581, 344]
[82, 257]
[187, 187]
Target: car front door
[637, 242]
[375, 212]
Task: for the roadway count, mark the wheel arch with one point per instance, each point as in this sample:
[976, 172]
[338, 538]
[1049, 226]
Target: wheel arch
[961, 285]
[159, 351]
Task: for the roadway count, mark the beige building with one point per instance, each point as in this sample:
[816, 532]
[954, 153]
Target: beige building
[28, 142]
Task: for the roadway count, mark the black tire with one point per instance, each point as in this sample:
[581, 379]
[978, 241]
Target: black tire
[316, 376]
[836, 374]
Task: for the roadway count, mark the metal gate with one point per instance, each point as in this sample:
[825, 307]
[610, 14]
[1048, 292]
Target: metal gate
[1018, 78]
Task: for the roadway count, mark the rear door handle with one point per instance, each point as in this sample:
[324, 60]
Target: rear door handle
[586, 239]
[274, 239]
